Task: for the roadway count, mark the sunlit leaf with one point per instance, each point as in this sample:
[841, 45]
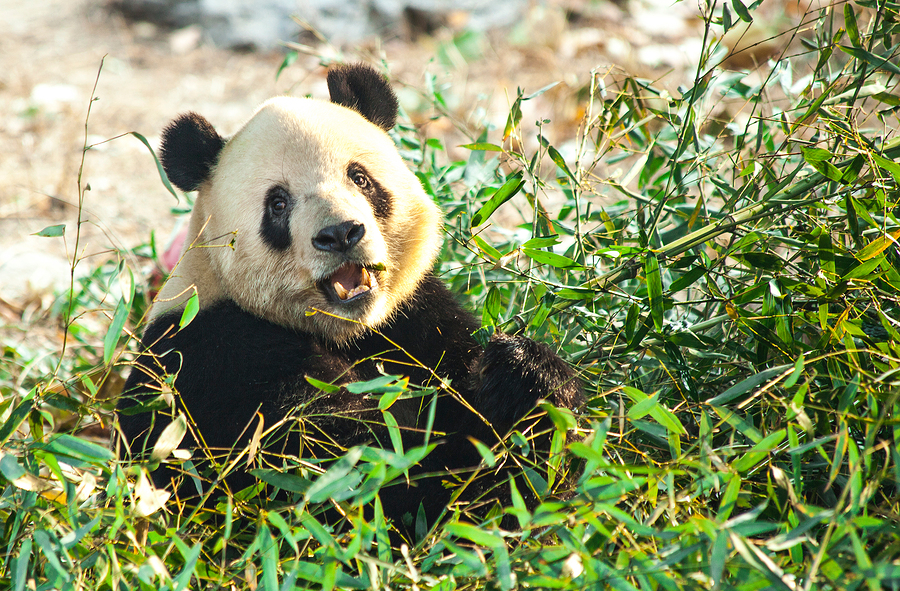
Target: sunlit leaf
[169, 439]
[290, 58]
[338, 481]
[323, 386]
[485, 452]
[541, 242]
[474, 534]
[501, 196]
[52, 231]
[878, 246]
[482, 146]
[191, 308]
[379, 385]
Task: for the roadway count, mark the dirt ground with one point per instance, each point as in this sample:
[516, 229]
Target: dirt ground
[49, 63]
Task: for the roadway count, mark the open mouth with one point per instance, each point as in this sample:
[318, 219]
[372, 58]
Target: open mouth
[349, 283]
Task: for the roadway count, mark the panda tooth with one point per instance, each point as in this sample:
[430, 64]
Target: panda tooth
[364, 279]
[340, 291]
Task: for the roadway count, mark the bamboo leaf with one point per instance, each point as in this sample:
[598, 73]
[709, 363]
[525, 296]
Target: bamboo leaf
[485, 452]
[551, 258]
[878, 246]
[379, 385]
[650, 405]
[393, 431]
[819, 159]
[881, 63]
[15, 418]
[474, 534]
[184, 577]
[191, 308]
[726, 18]
[169, 439]
[654, 289]
[283, 480]
[687, 279]
[864, 270]
[540, 91]
[491, 313]
[850, 24]
[323, 386]
[742, 11]
[798, 371]
[557, 159]
[506, 192]
[482, 147]
[515, 116]
[21, 565]
[747, 385]
[159, 166]
[889, 165]
[123, 307]
[52, 231]
[541, 242]
[289, 59]
[759, 451]
[338, 482]
[487, 249]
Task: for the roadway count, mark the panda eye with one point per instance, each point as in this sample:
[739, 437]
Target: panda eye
[360, 179]
[278, 205]
[278, 201]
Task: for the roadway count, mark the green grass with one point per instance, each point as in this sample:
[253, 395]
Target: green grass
[730, 298]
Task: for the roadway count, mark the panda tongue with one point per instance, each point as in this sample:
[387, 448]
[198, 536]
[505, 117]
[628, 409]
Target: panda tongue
[350, 281]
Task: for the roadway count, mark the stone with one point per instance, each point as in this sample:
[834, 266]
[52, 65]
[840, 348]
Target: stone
[265, 24]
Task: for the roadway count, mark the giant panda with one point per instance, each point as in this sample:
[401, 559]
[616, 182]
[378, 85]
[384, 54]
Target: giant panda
[310, 248]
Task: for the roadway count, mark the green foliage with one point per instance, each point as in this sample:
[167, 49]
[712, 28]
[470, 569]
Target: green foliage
[727, 287]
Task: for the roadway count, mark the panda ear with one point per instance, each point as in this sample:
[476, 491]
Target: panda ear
[363, 89]
[190, 148]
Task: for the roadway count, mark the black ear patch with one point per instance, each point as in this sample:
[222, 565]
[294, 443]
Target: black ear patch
[190, 148]
[363, 89]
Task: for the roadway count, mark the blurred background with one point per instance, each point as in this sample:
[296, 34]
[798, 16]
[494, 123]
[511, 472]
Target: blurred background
[163, 57]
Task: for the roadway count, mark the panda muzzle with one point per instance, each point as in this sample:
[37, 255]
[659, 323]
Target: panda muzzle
[350, 281]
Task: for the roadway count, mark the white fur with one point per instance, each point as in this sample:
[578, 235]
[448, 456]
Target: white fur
[305, 145]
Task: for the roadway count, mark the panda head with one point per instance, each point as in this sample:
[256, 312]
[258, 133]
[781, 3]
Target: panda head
[307, 216]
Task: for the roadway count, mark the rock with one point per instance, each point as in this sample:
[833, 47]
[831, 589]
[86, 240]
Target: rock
[264, 24]
[185, 40]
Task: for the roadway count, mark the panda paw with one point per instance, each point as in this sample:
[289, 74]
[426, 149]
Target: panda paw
[515, 373]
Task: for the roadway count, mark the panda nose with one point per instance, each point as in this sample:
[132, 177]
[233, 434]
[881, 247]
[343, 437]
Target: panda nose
[340, 237]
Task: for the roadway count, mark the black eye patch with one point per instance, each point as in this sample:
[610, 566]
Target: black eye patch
[276, 223]
[381, 200]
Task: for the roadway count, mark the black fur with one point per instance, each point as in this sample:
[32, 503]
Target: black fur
[381, 200]
[231, 364]
[275, 228]
[190, 148]
[363, 89]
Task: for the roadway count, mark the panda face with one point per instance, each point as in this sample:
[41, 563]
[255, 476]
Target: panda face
[308, 218]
